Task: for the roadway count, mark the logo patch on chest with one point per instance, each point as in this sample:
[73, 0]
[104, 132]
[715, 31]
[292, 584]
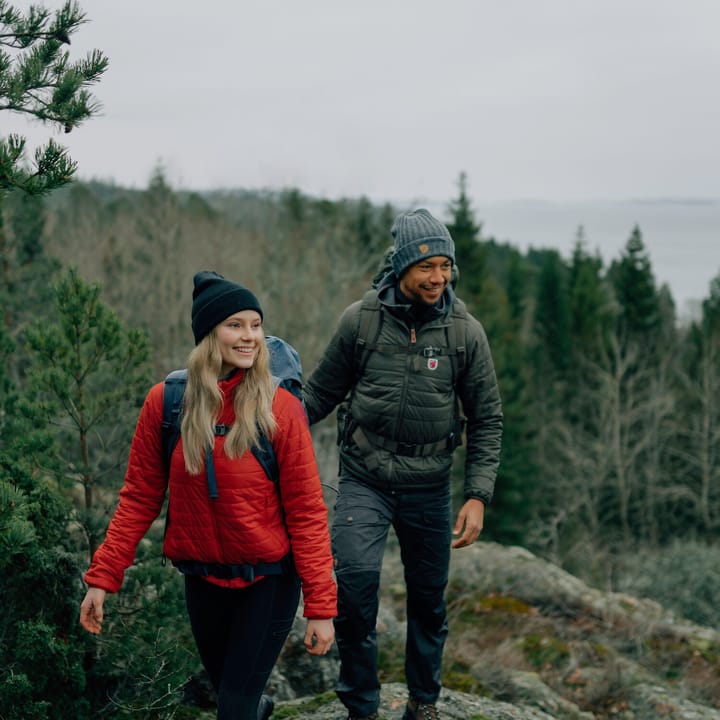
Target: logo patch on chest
[432, 363]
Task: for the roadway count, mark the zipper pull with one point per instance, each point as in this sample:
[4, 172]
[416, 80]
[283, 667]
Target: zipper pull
[413, 337]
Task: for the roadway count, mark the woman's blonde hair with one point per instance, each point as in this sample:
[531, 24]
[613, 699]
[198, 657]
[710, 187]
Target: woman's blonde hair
[203, 402]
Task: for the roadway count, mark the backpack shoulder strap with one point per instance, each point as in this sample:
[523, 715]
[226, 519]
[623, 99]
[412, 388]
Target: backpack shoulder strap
[173, 392]
[456, 338]
[456, 335]
[371, 316]
[263, 450]
[265, 455]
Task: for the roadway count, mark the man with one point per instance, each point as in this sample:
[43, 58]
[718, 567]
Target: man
[403, 357]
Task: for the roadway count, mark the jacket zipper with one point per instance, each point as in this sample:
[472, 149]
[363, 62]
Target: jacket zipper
[406, 381]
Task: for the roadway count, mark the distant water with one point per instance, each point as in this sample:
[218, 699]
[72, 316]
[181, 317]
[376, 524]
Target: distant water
[682, 237]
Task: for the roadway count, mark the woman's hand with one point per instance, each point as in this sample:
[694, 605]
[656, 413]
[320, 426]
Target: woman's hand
[319, 636]
[91, 610]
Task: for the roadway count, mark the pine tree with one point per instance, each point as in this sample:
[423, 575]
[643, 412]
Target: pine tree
[42, 561]
[39, 590]
[552, 315]
[590, 303]
[503, 314]
[469, 252]
[516, 289]
[711, 308]
[698, 475]
[26, 268]
[38, 80]
[639, 317]
[88, 374]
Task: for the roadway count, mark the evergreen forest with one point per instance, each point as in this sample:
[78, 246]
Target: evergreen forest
[610, 465]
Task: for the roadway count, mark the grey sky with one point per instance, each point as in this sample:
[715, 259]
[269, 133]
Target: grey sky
[560, 101]
[549, 99]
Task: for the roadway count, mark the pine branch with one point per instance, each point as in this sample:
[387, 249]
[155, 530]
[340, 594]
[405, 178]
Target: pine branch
[38, 80]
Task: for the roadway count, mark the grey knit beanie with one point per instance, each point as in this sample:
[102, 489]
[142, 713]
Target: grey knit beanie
[214, 299]
[418, 235]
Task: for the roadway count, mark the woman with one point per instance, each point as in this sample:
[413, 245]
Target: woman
[278, 533]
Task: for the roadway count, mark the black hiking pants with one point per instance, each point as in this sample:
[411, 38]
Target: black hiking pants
[239, 634]
[423, 525]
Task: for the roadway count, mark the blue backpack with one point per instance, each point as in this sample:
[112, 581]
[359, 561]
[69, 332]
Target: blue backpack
[287, 372]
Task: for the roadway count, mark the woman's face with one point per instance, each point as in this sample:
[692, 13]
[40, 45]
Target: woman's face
[239, 337]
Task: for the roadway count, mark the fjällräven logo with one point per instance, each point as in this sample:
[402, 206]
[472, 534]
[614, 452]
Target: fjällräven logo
[432, 363]
[423, 248]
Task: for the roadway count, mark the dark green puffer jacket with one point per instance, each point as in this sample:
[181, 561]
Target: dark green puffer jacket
[405, 394]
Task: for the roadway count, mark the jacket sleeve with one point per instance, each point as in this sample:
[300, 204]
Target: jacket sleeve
[141, 499]
[331, 380]
[480, 397]
[306, 516]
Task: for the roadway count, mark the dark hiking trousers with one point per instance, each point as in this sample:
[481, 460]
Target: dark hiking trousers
[239, 634]
[422, 523]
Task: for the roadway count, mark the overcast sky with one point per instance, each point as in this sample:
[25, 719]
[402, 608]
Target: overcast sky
[542, 99]
[564, 101]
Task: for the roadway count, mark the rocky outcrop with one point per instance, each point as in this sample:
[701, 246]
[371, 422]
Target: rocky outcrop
[516, 572]
[527, 641]
[452, 706]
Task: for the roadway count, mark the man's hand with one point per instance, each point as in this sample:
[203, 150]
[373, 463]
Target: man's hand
[319, 636]
[91, 610]
[469, 523]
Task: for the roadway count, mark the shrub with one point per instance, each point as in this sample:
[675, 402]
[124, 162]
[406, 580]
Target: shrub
[684, 577]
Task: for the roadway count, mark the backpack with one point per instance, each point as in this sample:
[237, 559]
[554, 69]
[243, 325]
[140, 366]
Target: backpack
[286, 369]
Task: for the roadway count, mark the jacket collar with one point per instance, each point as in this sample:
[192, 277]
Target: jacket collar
[233, 378]
[390, 296]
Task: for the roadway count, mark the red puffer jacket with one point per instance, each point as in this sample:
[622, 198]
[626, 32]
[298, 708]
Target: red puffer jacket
[250, 521]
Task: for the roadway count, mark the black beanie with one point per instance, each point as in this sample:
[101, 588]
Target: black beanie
[214, 299]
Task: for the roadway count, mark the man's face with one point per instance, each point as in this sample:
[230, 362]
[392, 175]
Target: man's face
[426, 280]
